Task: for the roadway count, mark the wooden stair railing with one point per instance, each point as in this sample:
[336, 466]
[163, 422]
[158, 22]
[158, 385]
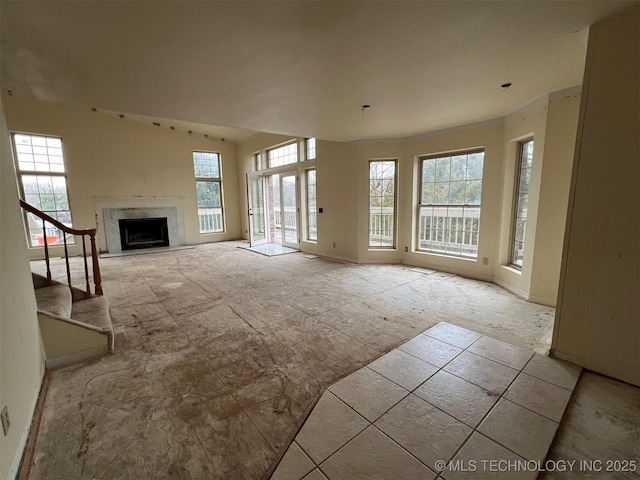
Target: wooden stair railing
[91, 233]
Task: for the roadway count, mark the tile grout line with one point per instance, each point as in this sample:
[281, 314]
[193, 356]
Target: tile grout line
[411, 392]
[439, 409]
[475, 429]
[336, 450]
[500, 397]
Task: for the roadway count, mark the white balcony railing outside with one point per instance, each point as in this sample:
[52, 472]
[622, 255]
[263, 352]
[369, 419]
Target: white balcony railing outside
[211, 220]
[381, 228]
[290, 220]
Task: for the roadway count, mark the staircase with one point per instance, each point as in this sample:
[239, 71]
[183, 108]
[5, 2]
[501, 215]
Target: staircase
[75, 324]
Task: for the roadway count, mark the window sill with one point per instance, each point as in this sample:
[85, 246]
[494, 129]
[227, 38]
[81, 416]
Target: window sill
[371, 249]
[442, 255]
[512, 269]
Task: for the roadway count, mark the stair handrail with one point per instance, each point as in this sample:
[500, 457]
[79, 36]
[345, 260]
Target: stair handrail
[89, 232]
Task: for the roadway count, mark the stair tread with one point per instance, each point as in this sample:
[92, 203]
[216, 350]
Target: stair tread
[55, 299]
[93, 311]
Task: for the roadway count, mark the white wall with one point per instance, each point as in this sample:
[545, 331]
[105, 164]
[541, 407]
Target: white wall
[529, 122]
[361, 153]
[598, 316]
[21, 353]
[553, 199]
[343, 192]
[338, 195]
[488, 136]
[112, 157]
[551, 121]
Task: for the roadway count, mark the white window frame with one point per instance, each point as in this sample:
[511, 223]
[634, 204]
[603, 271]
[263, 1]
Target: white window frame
[280, 148]
[43, 169]
[257, 161]
[209, 218]
[440, 227]
[383, 219]
[311, 207]
[310, 148]
[519, 196]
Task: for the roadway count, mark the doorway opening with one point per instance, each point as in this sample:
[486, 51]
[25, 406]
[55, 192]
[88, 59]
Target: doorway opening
[273, 209]
[283, 210]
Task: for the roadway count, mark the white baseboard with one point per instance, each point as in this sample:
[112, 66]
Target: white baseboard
[549, 302]
[338, 258]
[76, 357]
[17, 458]
[510, 288]
[461, 273]
[565, 357]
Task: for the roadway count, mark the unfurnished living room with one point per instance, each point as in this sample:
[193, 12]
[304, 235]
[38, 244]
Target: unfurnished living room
[320, 240]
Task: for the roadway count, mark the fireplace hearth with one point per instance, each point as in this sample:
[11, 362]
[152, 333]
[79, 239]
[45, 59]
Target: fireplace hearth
[138, 233]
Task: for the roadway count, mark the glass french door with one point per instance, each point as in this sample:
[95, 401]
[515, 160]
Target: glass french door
[256, 210]
[289, 209]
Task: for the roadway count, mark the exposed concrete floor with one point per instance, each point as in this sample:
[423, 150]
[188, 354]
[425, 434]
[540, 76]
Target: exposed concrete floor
[221, 352]
[601, 423]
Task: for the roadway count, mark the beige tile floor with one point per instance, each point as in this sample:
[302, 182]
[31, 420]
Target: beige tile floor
[220, 353]
[403, 417]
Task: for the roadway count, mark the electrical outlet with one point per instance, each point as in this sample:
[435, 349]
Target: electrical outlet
[406, 249]
[485, 260]
[334, 244]
[4, 415]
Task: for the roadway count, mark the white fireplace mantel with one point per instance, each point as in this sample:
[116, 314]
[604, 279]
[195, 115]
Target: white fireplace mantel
[111, 209]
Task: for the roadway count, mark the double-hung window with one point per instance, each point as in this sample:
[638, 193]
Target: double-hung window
[449, 203]
[382, 203]
[521, 201]
[43, 184]
[209, 191]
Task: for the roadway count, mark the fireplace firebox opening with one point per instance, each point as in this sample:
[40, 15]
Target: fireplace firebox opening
[143, 233]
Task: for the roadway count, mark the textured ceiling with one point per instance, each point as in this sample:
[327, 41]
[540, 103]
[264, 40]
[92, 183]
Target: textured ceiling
[300, 67]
